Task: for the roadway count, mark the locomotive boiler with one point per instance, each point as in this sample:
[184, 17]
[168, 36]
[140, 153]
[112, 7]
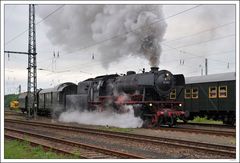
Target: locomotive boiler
[154, 85]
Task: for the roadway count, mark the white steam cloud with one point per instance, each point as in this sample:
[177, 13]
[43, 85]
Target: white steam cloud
[105, 118]
[136, 30]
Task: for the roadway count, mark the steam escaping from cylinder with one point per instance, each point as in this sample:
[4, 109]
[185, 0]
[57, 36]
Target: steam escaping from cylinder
[118, 30]
[105, 118]
[118, 115]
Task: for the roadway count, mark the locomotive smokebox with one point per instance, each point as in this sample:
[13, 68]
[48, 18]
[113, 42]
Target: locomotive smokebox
[154, 69]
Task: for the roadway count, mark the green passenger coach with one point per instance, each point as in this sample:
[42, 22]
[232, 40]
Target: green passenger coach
[211, 96]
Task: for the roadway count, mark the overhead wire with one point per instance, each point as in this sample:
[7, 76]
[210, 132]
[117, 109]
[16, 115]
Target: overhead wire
[194, 34]
[188, 45]
[186, 52]
[178, 47]
[130, 31]
[171, 47]
[200, 32]
[139, 27]
[197, 33]
[20, 34]
[198, 56]
[116, 36]
[203, 42]
[165, 63]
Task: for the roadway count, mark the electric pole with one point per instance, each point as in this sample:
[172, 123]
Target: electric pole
[32, 65]
[206, 66]
[19, 89]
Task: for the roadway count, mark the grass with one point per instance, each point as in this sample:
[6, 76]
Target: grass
[205, 120]
[14, 149]
[116, 129]
[233, 141]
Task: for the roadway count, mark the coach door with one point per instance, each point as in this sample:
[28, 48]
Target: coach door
[213, 97]
[187, 98]
[203, 96]
[223, 96]
[195, 98]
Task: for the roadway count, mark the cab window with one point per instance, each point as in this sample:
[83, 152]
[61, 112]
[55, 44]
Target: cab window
[194, 93]
[212, 92]
[222, 91]
[173, 94]
[187, 93]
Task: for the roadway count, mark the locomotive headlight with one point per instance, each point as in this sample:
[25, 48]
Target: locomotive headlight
[150, 104]
[167, 76]
[180, 105]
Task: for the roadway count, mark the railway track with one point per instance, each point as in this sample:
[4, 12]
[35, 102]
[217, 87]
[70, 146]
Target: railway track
[200, 131]
[65, 146]
[10, 112]
[13, 113]
[182, 127]
[223, 126]
[204, 147]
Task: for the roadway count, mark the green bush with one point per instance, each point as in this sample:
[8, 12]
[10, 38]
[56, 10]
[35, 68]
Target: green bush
[9, 98]
[205, 120]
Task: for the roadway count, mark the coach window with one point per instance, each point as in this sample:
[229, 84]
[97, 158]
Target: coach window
[44, 97]
[173, 94]
[222, 91]
[58, 97]
[212, 92]
[41, 96]
[187, 93]
[194, 93]
[51, 97]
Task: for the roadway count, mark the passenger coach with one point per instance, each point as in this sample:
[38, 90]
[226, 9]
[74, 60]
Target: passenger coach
[52, 100]
[213, 96]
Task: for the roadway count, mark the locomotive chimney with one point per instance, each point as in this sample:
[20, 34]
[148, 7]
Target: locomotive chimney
[154, 69]
[131, 72]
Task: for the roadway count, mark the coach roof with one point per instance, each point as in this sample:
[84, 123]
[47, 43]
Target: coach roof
[211, 78]
[57, 88]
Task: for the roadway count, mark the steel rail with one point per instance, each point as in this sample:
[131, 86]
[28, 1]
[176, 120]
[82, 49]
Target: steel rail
[224, 126]
[72, 143]
[48, 147]
[185, 129]
[213, 148]
[200, 131]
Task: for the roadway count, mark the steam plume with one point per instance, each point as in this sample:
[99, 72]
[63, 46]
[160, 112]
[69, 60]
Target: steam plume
[139, 29]
[118, 115]
[126, 120]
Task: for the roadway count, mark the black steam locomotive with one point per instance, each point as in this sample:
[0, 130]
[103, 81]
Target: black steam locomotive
[147, 93]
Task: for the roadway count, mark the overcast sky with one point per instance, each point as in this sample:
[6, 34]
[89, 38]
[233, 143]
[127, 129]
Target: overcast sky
[205, 31]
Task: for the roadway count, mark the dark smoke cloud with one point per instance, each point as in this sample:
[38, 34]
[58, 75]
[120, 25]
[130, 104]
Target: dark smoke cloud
[78, 26]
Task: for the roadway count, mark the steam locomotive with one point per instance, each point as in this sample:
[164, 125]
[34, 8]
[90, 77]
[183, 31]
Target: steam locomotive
[147, 93]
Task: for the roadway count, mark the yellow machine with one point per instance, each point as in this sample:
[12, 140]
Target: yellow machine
[14, 105]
